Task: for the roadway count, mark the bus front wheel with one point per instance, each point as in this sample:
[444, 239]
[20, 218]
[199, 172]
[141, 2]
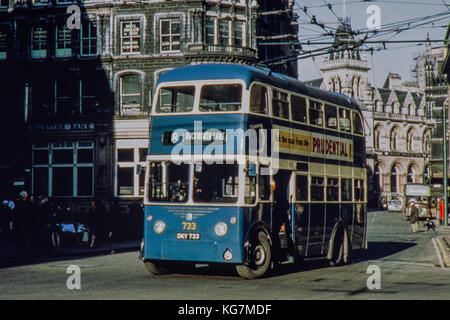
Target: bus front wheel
[156, 268]
[260, 258]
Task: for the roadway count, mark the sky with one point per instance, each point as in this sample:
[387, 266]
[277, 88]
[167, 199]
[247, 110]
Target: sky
[398, 58]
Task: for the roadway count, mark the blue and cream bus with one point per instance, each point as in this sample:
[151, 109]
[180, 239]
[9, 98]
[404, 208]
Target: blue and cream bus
[251, 168]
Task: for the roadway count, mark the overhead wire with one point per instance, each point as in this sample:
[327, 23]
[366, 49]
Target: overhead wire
[392, 29]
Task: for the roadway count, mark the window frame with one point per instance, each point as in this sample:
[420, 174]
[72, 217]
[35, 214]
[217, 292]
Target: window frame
[75, 165]
[41, 42]
[4, 36]
[170, 35]
[66, 51]
[122, 95]
[137, 162]
[92, 48]
[130, 37]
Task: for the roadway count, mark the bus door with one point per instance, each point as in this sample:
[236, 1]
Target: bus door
[281, 204]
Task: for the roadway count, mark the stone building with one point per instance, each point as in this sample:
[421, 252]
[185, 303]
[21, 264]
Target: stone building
[78, 99]
[397, 122]
[434, 85]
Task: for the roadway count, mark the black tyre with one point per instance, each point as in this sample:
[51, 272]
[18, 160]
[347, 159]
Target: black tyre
[260, 258]
[341, 248]
[156, 268]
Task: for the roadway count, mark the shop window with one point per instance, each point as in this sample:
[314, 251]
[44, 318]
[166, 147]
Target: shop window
[125, 155]
[62, 182]
[70, 168]
[125, 181]
[131, 167]
[85, 181]
[40, 180]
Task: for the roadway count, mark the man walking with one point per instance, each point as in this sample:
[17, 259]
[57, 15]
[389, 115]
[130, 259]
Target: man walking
[414, 218]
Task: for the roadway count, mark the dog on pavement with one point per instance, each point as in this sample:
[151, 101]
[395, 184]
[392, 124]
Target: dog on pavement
[429, 226]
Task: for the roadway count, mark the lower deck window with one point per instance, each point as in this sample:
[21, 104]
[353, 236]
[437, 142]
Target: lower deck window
[317, 193]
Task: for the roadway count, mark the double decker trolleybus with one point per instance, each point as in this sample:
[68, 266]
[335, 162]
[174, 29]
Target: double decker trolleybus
[251, 168]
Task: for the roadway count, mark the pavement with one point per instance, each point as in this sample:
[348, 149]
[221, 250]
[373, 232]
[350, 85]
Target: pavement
[442, 246]
[9, 250]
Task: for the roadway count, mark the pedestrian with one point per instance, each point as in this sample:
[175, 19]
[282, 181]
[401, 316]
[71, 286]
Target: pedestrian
[96, 220]
[116, 223]
[414, 217]
[136, 215]
[34, 224]
[4, 221]
[23, 221]
[45, 227]
[55, 225]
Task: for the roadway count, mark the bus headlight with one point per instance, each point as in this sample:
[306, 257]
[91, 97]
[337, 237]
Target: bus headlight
[159, 227]
[220, 229]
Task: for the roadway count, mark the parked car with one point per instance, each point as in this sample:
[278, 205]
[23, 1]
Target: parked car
[394, 205]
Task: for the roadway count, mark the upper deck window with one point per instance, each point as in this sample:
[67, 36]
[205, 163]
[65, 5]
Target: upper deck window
[315, 113]
[175, 99]
[220, 97]
[258, 99]
[280, 104]
[298, 105]
[331, 117]
[344, 120]
[357, 124]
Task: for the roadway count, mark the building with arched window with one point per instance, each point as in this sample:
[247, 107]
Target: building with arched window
[397, 126]
[80, 97]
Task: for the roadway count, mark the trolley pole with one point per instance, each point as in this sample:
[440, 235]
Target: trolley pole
[444, 122]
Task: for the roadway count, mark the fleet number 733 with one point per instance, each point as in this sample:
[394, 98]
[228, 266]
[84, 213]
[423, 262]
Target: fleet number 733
[189, 226]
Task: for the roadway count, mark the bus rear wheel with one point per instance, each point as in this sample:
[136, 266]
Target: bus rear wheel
[156, 268]
[260, 258]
